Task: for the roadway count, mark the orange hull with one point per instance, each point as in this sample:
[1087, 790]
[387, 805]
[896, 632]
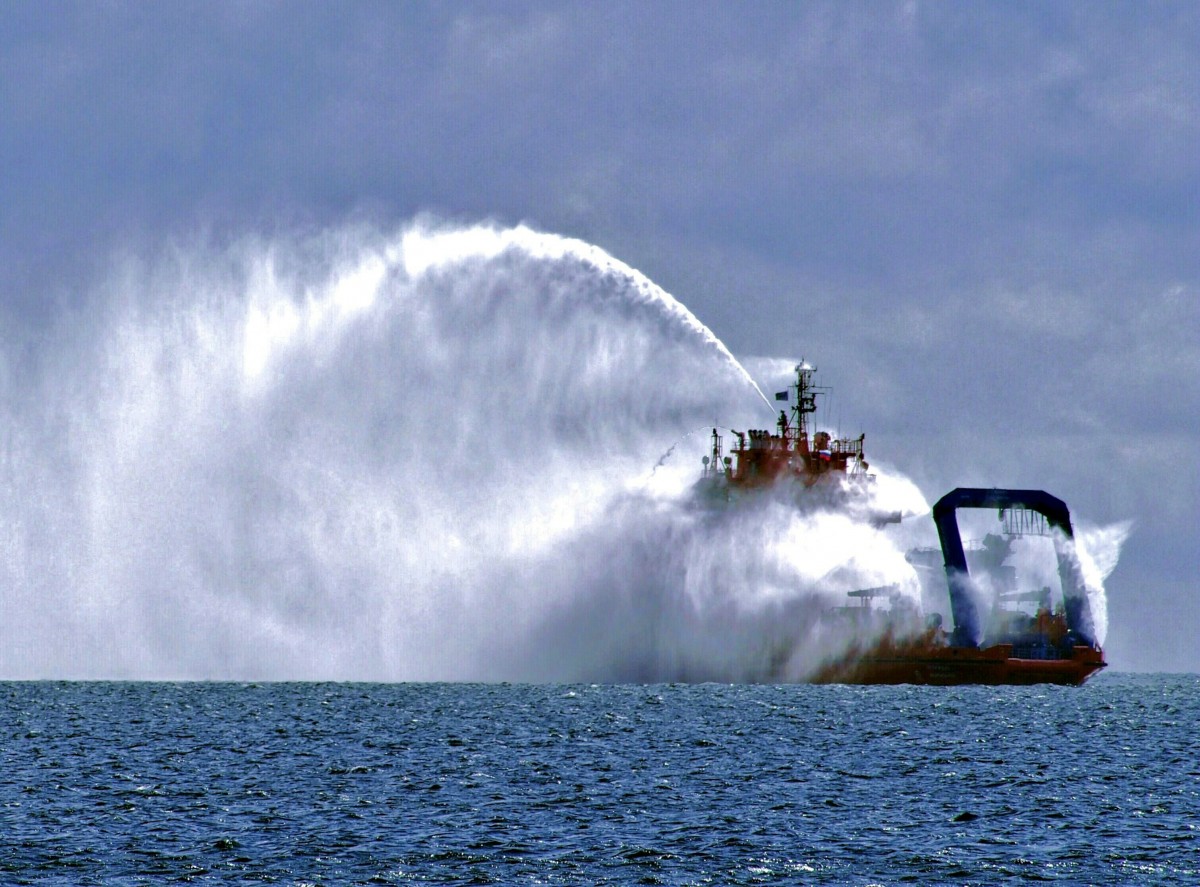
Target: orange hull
[944, 666]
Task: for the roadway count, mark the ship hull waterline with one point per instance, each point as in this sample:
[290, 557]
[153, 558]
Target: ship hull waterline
[949, 666]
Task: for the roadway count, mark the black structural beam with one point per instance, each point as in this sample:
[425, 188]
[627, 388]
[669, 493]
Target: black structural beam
[964, 596]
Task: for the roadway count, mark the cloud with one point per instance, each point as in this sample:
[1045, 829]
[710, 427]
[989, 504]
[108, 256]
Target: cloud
[980, 221]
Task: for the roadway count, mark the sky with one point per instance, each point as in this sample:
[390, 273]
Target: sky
[980, 220]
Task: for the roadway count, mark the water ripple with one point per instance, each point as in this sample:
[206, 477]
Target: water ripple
[472, 784]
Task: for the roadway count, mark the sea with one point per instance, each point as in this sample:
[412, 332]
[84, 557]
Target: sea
[342, 783]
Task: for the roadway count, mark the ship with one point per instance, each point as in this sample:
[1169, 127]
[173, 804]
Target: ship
[994, 640]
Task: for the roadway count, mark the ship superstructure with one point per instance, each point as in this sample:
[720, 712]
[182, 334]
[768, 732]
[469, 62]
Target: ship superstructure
[795, 451]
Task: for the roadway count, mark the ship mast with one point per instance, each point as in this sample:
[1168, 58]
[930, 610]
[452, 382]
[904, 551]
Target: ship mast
[806, 402]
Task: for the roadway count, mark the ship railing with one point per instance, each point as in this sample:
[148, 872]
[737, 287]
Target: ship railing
[849, 446]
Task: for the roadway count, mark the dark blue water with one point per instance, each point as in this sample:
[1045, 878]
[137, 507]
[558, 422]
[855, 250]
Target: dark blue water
[120, 783]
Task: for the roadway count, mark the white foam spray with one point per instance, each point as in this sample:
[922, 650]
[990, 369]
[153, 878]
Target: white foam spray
[431, 455]
[1099, 549]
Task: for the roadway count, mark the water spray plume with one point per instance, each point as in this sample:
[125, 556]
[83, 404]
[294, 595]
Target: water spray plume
[433, 455]
[1099, 550]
